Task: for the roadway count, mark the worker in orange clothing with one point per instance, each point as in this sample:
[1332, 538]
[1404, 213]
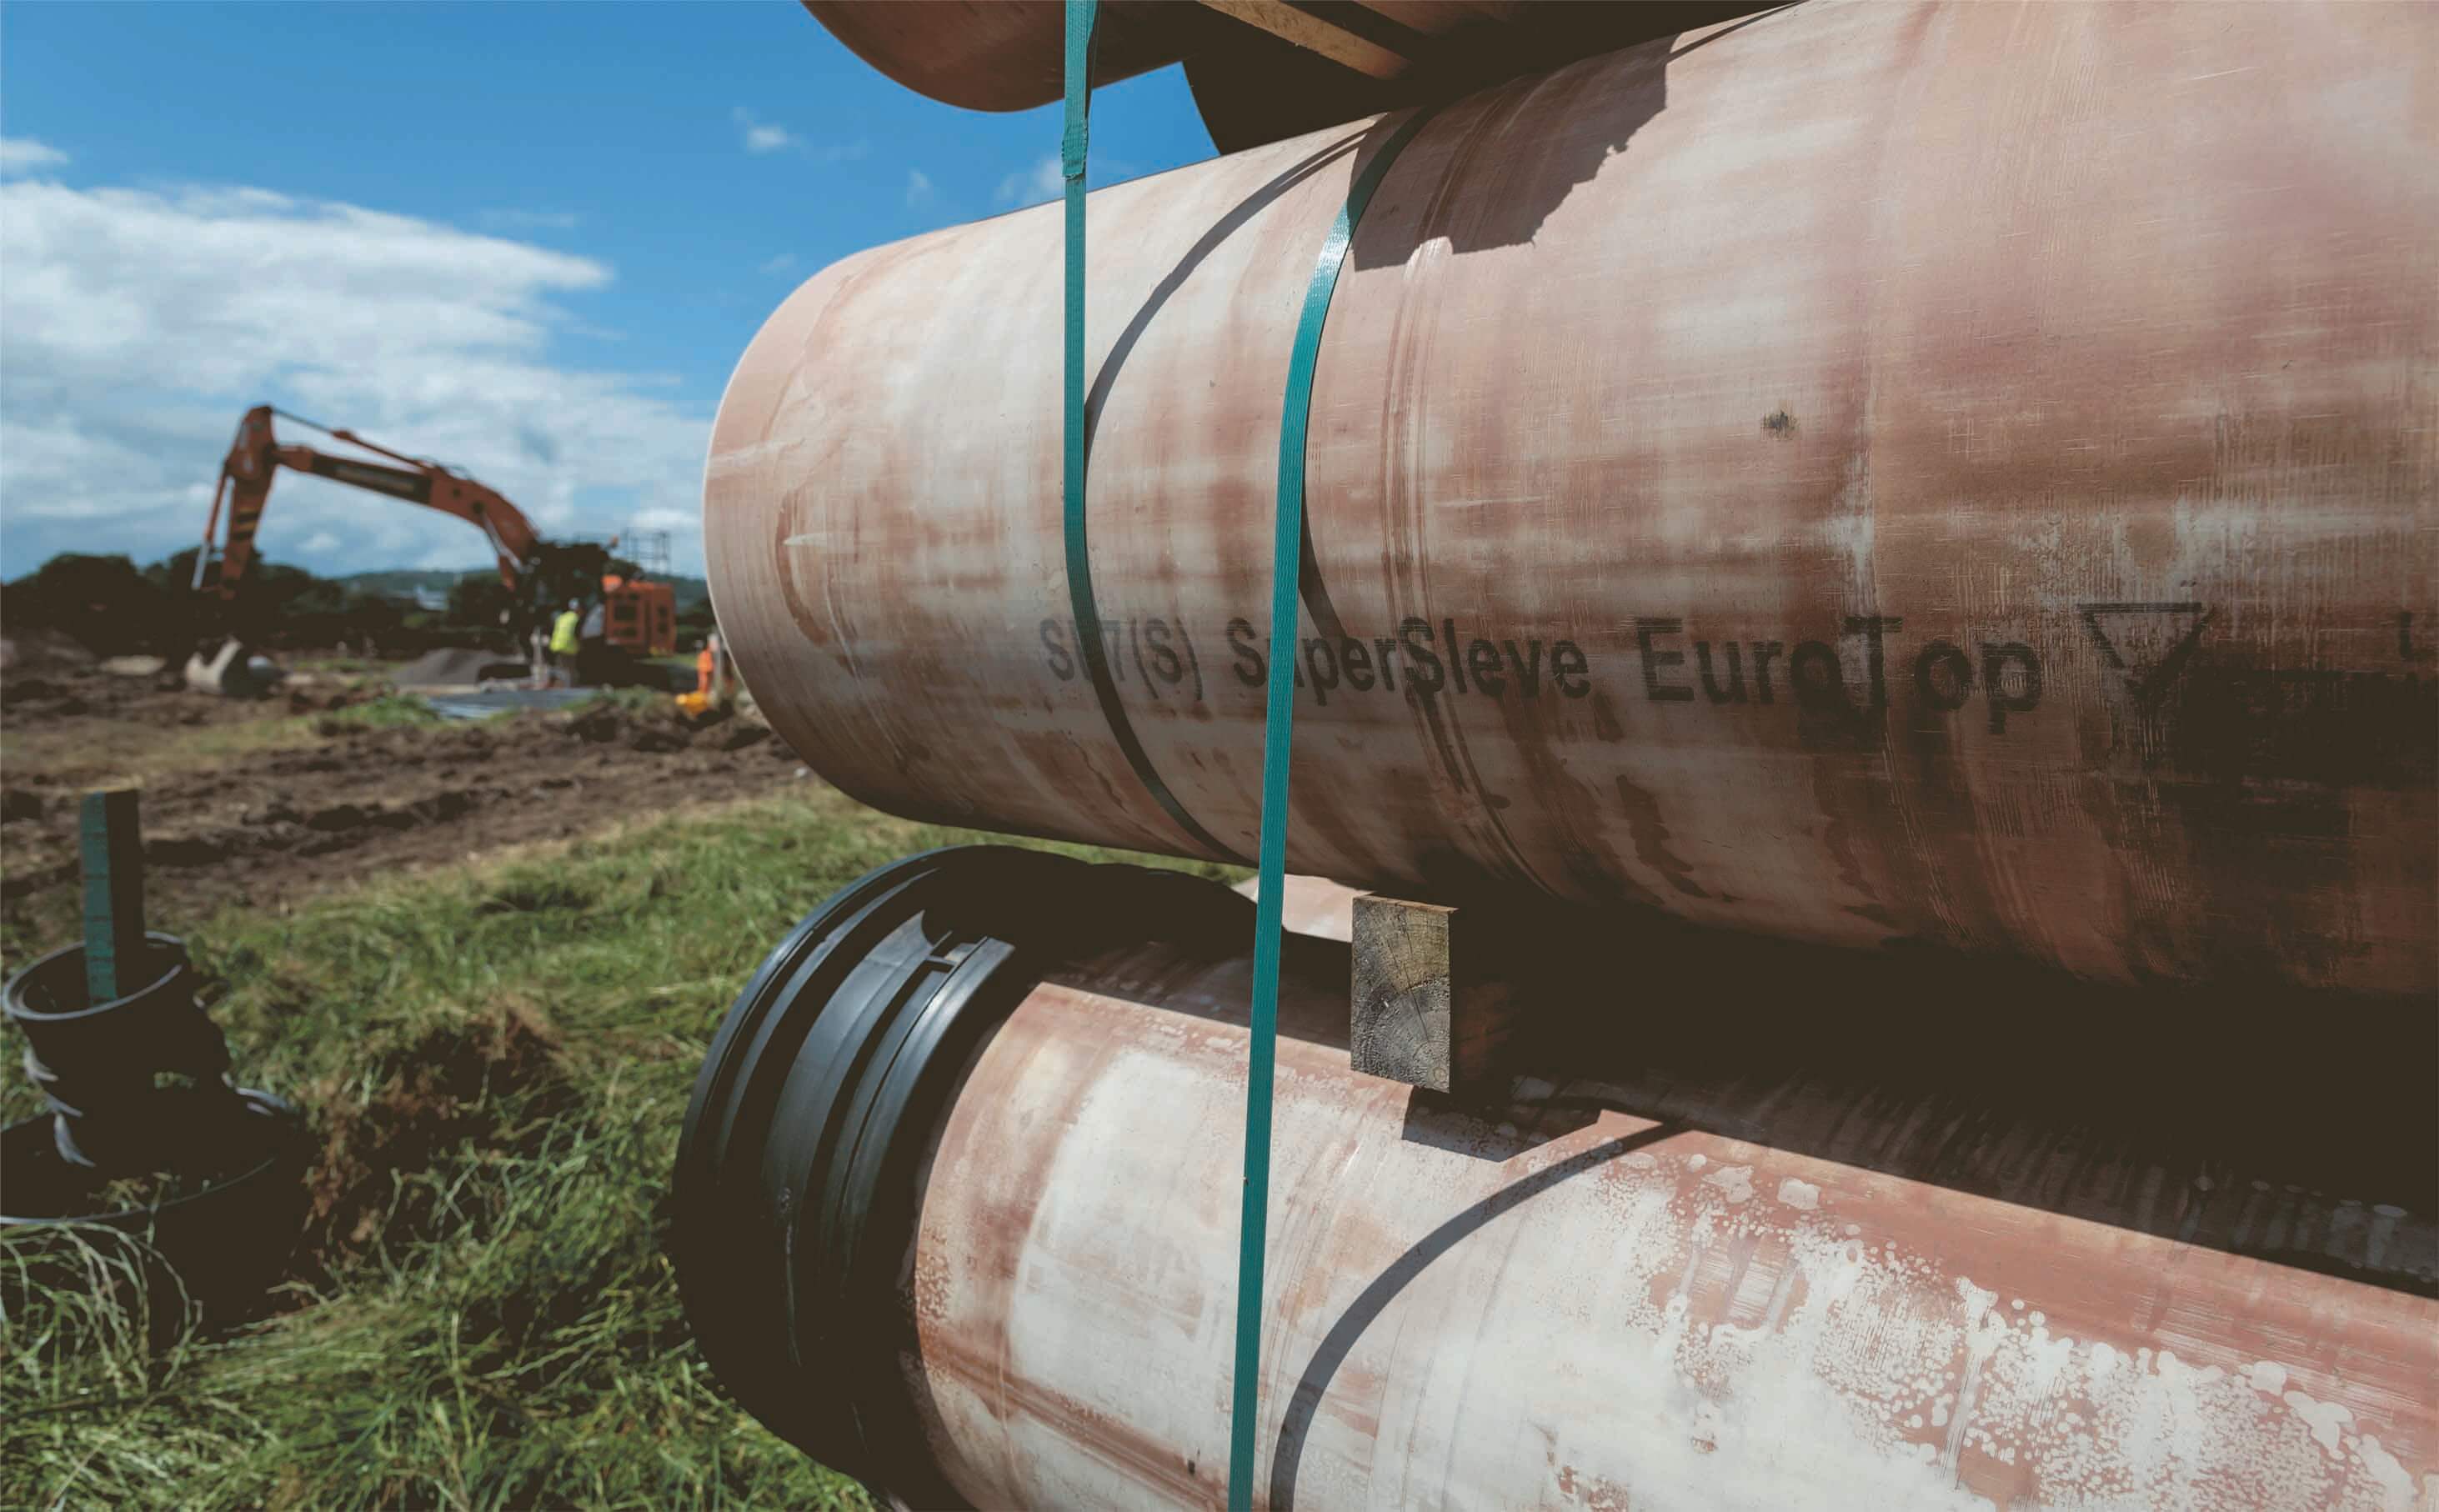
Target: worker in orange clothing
[709, 681]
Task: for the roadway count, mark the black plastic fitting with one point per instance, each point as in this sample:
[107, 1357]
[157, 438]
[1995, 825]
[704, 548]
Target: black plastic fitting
[138, 1086]
[100, 1065]
[796, 1186]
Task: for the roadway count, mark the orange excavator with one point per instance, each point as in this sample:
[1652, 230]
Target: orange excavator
[639, 618]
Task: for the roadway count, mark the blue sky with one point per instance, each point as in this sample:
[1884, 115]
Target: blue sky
[528, 238]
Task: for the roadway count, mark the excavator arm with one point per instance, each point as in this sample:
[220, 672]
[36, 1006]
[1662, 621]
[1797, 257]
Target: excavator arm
[257, 454]
[640, 618]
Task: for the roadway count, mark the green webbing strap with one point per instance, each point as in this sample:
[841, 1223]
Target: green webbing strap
[1278, 719]
[1092, 644]
[1080, 15]
[1279, 711]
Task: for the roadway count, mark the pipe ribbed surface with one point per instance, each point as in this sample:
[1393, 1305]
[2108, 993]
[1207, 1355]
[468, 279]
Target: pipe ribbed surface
[1864, 475]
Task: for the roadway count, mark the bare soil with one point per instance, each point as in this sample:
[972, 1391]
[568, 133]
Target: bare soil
[448, 1087]
[259, 803]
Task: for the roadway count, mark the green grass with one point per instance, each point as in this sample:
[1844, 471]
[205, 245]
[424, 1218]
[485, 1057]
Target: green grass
[631, 700]
[337, 665]
[498, 1058]
[388, 711]
[101, 753]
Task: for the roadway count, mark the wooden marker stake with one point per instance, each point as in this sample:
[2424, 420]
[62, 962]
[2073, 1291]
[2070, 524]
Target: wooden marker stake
[112, 844]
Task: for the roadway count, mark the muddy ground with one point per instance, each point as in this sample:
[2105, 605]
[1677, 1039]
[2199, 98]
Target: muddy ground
[262, 802]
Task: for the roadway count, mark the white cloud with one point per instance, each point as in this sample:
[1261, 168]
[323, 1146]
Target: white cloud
[135, 325]
[677, 522]
[320, 544]
[761, 136]
[22, 154]
[1034, 185]
[769, 136]
[784, 263]
[918, 187]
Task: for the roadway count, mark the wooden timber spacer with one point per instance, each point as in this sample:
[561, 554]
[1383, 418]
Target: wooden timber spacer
[1429, 1007]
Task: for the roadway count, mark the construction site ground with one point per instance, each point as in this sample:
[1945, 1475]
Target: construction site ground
[337, 778]
[485, 960]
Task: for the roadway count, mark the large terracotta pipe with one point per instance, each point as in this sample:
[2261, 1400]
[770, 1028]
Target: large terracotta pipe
[1865, 474]
[970, 1231]
[1260, 69]
[1629, 1314]
[1002, 54]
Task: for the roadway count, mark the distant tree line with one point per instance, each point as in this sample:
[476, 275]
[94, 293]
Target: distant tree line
[115, 608]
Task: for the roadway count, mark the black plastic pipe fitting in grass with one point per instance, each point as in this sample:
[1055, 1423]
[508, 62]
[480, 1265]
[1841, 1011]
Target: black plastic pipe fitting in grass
[139, 1088]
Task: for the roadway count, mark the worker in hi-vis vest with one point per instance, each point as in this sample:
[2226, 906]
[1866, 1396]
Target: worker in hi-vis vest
[563, 644]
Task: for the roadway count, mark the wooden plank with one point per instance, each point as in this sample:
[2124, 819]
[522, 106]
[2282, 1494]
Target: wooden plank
[1315, 34]
[1436, 18]
[112, 848]
[1429, 1007]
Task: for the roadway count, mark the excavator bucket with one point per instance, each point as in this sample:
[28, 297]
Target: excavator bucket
[233, 670]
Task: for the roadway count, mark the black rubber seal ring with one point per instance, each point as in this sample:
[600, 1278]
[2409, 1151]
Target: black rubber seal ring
[797, 1188]
[794, 1192]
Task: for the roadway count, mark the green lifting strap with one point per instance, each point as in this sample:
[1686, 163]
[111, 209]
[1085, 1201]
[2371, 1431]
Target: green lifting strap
[1278, 719]
[1080, 15]
[1278, 710]
[1092, 640]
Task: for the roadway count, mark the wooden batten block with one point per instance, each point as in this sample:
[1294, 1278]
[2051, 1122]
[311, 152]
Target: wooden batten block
[1431, 1007]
